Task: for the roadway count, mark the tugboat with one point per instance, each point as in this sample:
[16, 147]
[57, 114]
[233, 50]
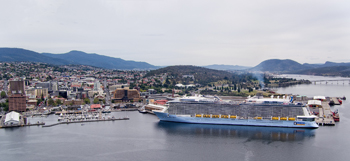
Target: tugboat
[336, 116]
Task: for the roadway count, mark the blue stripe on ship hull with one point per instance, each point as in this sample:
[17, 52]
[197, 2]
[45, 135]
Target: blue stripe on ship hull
[222, 121]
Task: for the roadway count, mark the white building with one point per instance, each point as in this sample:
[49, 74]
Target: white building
[12, 118]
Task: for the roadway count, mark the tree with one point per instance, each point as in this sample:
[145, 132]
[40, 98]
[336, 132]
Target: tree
[58, 101]
[87, 101]
[51, 102]
[38, 101]
[3, 94]
[250, 89]
[5, 105]
[96, 101]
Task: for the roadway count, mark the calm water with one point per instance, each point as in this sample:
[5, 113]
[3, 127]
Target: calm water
[143, 137]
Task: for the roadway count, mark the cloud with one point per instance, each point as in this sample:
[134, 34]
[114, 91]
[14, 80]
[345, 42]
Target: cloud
[198, 32]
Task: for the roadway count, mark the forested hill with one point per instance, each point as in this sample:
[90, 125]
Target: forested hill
[277, 65]
[201, 75]
[73, 58]
[79, 57]
[343, 71]
[23, 55]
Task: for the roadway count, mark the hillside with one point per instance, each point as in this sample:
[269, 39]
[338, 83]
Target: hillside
[79, 57]
[226, 67]
[22, 55]
[201, 75]
[277, 65]
[73, 57]
[343, 71]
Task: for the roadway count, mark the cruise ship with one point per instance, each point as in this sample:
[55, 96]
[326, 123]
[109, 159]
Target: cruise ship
[255, 111]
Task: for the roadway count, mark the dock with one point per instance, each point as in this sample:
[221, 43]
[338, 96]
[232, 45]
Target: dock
[335, 100]
[12, 126]
[325, 116]
[83, 121]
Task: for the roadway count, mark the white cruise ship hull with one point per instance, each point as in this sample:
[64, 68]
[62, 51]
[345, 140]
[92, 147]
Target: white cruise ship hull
[238, 122]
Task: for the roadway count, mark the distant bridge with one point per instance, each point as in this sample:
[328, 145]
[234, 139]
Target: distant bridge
[337, 81]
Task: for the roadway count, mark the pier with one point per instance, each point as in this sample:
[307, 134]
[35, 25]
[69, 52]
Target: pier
[335, 100]
[12, 126]
[83, 121]
[325, 115]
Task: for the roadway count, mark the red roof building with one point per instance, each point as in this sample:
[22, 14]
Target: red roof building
[95, 106]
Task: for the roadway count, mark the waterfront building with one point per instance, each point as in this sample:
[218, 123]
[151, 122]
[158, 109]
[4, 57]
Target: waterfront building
[73, 102]
[95, 106]
[16, 86]
[125, 95]
[17, 96]
[12, 118]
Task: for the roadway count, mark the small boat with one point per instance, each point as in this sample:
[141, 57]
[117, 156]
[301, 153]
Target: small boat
[340, 101]
[106, 111]
[142, 110]
[82, 124]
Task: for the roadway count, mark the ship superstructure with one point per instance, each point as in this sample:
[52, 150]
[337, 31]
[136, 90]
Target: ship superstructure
[273, 112]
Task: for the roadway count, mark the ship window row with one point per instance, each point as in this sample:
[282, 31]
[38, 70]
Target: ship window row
[239, 110]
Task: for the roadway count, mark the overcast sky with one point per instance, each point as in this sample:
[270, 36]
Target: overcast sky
[184, 32]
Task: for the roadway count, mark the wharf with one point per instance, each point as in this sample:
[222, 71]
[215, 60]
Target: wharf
[335, 100]
[12, 126]
[71, 122]
[325, 116]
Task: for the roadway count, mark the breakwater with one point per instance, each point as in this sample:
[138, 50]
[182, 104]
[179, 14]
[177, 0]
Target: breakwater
[83, 121]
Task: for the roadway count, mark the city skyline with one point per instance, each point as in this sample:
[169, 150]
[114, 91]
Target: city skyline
[182, 32]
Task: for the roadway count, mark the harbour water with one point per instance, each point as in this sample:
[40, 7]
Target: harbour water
[143, 137]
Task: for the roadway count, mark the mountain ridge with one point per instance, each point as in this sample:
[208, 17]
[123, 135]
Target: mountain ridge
[19, 54]
[226, 67]
[72, 57]
[107, 62]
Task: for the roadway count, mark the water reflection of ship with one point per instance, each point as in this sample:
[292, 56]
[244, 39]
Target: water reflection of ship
[250, 132]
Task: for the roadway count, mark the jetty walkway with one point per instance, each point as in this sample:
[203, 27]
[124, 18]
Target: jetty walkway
[11, 126]
[325, 116]
[83, 121]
